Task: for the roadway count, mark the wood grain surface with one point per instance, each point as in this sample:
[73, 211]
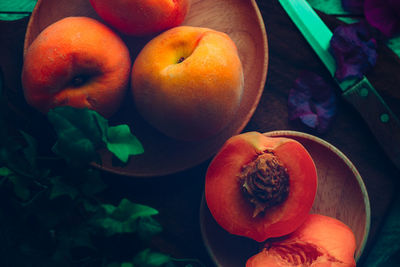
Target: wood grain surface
[178, 196]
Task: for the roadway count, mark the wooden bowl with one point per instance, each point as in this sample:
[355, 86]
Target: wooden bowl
[240, 19]
[341, 194]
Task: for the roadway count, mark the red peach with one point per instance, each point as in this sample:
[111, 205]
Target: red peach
[142, 17]
[79, 62]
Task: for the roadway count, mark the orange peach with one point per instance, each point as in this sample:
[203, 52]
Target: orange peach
[321, 241]
[79, 62]
[142, 17]
[188, 81]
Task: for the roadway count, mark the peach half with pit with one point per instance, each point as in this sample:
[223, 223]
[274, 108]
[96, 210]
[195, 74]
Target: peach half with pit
[78, 62]
[188, 82]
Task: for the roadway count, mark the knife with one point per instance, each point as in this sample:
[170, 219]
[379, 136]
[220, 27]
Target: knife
[382, 122]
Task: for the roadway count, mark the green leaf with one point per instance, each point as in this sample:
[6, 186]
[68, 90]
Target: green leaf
[21, 189]
[79, 133]
[91, 207]
[128, 217]
[5, 172]
[126, 209]
[122, 143]
[20, 184]
[30, 151]
[148, 258]
[60, 188]
[92, 183]
[76, 237]
[19, 153]
[84, 183]
[123, 264]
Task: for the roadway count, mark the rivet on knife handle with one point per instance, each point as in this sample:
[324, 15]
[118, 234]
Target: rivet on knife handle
[381, 120]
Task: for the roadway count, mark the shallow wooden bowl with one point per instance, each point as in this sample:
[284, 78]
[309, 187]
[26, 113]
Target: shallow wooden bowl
[240, 19]
[341, 194]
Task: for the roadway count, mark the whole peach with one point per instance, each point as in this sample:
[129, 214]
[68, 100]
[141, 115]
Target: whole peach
[79, 62]
[188, 81]
[142, 17]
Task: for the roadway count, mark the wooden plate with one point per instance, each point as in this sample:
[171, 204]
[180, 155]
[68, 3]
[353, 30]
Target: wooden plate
[240, 19]
[341, 194]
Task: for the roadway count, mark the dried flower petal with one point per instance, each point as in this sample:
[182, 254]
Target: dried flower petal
[383, 15]
[354, 50]
[312, 101]
[353, 6]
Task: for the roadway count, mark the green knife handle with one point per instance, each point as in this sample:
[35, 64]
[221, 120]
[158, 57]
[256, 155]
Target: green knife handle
[380, 119]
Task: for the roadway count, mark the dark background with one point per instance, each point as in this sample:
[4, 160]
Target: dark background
[178, 196]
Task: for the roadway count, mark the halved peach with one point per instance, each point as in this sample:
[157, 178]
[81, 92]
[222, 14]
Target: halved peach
[260, 187]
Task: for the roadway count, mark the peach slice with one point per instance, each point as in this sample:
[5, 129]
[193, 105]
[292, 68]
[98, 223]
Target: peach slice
[321, 241]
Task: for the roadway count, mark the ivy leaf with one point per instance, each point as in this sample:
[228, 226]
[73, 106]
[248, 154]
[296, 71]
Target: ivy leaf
[77, 237]
[21, 187]
[60, 188]
[123, 264]
[128, 217]
[81, 132]
[148, 258]
[19, 153]
[5, 172]
[92, 184]
[78, 133]
[122, 143]
[20, 184]
[85, 183]
[30, 151]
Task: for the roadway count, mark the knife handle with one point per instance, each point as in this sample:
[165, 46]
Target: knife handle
[376, 113]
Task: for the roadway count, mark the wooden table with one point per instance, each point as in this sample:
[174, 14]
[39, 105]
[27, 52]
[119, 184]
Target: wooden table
[179, 200]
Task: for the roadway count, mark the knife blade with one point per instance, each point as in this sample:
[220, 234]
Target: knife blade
[359, 93]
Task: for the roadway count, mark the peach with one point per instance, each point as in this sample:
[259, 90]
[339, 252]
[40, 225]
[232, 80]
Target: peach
[188, 82]
[79, 62]
[321, 241]
[142, 17]
[260, 187]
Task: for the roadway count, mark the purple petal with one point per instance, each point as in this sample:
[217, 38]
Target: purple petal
[326, 111]
[298, 104]
[312, 101]
[311, 120]
[383, 15]
[354, 50]
[353, 6]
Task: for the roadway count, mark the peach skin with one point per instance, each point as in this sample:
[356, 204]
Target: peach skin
[79, 62]
[142, 17]
[188, 81]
